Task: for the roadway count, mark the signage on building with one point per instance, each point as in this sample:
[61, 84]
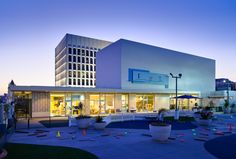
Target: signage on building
[147, 77]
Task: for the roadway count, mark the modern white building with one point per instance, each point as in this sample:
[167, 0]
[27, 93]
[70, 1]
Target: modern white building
[75, 61]
[131, 77]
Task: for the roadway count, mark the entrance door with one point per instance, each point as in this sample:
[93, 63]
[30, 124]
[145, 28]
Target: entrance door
[57, 107]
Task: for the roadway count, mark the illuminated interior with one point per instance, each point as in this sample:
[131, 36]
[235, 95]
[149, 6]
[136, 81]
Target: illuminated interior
[144, 103]
[102, 104]
[57, 106]
[125, 103]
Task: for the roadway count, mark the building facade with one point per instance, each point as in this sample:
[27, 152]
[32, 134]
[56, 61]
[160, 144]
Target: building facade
[75, 61]
[131, 77]
[225, 84]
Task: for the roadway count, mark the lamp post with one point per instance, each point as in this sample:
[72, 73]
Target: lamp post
[176, 94]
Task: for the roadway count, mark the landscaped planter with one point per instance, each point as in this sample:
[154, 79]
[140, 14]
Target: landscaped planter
[160, 132]
[100, 126]
[227, 110]
[204, 122]
[83, 123]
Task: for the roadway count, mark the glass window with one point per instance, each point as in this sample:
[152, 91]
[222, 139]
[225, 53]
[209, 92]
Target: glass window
[83, 67]
[94, 68]
[74, 66]
[70, 67]
[74, 73]
[91, 67]
[69, 59]
[74, 81]
[95, 53]
[87, 82]
[69, 74]
[83, 60]
[91, 75]
[87, 53]
[91, 82]
[78, 74]
[78, 51]
[69, 50]
[124, 103]
[91, 61]
[74, 58]
[78, 81]
[69, 81]
[87, 67]
[83, 53]
[94, 61]
[78, 59]
[74, 51]
[78, 67]
[144, 103]
[76, 101]
[91, 53]
[87, 75]
[83, 82]
[87, 60]
[83, 74]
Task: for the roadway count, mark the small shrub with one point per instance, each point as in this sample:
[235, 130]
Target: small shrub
[99, 119]
[206, 115]
[82, 117]
[159, 123]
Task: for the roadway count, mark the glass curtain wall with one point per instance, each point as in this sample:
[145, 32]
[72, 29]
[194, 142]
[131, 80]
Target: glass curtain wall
[124, 103]
[144, 103]
[65, 104]
[102, 104]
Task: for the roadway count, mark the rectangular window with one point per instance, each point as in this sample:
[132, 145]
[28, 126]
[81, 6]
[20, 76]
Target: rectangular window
[78, 74]
[78, 59]
[87, 53]
[74, 66]
[69, 74]
[87, 67]
[94, 68]
[91, 53]
[78, 81]
[95, 53]
[78, 51]
[74, 58]
[69, 51]
[83, 67]
[69, 58]
[83, 74]
[87, 82]
[70, 67]
[91, 82]
[94, 61]
[69, 81]
[83, 53]
[74, 51]
[91, 67]
[83, 60]
[91, 61]
[74, 81]
[87, 75]
[74, 74]
[91, 75]
[83, 82]
[78, 67]
[87, 60]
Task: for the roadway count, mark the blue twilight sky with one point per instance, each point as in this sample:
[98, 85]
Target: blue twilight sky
[31, 29]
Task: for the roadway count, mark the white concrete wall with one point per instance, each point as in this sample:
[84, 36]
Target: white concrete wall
[198, 73]
[108, 73]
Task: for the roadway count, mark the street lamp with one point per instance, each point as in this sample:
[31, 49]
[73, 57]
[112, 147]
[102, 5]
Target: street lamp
[176, 94]
[227, 82]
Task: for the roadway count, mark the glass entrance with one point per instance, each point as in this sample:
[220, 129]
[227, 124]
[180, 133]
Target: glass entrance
[57, 107]
[144, 103]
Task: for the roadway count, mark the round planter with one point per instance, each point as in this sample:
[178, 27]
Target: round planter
[160, 133]
[83, 123]
[100, 126]
[204, 122]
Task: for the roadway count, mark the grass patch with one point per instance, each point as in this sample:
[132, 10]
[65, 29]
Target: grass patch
[28, 151]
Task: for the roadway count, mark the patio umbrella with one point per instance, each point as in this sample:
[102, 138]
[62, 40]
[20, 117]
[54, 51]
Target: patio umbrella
[186, 96]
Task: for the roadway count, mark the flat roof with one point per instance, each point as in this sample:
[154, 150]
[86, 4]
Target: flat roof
[92, 90]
